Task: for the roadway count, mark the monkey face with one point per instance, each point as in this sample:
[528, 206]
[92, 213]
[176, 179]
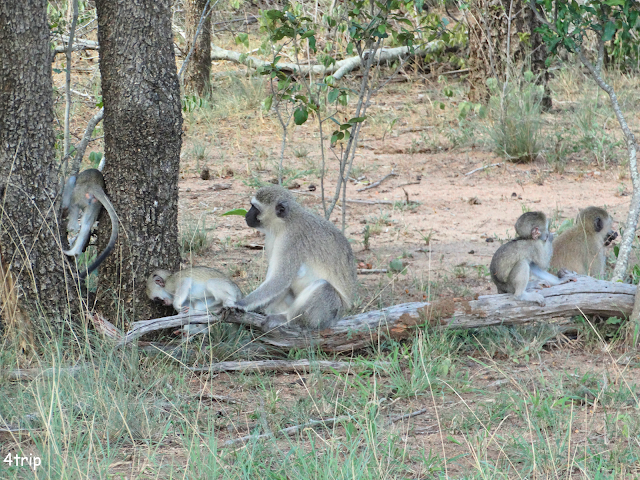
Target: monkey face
[252, 217]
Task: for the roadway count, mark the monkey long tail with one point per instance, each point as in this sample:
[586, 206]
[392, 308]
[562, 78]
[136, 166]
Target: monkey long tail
[106, 203]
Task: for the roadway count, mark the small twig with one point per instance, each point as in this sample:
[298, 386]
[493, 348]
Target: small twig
[375, 184]
[484, 168]
[415, 129]
[405, 416]
[277, 366]
[370, 202]
[453, 72]
[408, 183]
[366, 271]
[288, 431]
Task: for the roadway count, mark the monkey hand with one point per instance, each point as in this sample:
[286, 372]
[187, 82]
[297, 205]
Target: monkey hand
[565, 273]
[611, 236]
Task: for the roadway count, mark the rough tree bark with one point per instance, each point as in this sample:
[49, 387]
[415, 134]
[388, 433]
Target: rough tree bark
[198, 72]
[33, 280]
[143, 129]
[489, 22]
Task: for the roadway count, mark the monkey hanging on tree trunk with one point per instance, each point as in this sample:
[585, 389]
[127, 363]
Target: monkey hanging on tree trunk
[85, 192]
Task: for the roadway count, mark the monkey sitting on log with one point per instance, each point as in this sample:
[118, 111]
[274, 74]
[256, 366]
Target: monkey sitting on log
[311, 277]
[529, 253]
[85, 192]
[581, 248]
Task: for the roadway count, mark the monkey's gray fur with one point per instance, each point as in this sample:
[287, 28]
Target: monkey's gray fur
[581, 247]
[85, 192]
[529, 253]
[311, 277]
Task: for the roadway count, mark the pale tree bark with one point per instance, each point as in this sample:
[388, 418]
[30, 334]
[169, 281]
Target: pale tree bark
[143, 129]
[502, 33]
[198, 71]
[32, 283]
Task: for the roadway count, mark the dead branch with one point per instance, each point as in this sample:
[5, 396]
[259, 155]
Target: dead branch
[78, 44]
[338, 69]
[586, 296]
[484, 168]
[280, 366]
[375, 184]
[404, 417]
[288, 431]
[367, 271]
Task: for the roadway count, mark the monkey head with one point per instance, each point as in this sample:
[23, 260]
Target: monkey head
[270, 207]
[597, 220]
[156, 287]
[533, 226]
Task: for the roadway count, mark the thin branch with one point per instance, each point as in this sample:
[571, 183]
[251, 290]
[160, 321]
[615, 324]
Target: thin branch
[484, 168]
[282, 366]
[86, 138]
[375, 184]
[67, 108]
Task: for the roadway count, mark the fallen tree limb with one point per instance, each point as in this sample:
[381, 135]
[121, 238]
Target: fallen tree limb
[587, 295]
[375, 184]
[280, 366]
[338, 69]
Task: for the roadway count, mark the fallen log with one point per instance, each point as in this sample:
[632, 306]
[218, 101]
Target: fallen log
[585, 296]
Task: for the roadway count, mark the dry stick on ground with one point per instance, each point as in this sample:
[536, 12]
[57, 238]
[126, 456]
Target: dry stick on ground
[484, 168]
[288, 431]
[375, 184]
[367, 271]
[587, 295]
[281, 366]
[404, 417]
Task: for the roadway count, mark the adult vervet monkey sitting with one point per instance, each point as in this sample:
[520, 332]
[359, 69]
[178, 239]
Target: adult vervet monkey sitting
[311, 277]
[581, 248]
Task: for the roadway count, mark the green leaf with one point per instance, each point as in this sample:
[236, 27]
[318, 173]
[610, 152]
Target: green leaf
[267, 102]
[396, 265]
[609, 31]
[300, 115]
[237, 211]
[357, 120]
[333, 95]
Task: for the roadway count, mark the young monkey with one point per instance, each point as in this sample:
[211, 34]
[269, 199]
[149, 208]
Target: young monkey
[196, 289]
[85, 192]
[581, 247]
[529, 253]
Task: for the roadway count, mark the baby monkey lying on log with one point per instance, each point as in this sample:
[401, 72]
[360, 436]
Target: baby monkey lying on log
[581, 248]
[529, 253]
[195, 290]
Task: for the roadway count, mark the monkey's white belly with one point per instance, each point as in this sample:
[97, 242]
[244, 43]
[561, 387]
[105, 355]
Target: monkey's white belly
[305, 277]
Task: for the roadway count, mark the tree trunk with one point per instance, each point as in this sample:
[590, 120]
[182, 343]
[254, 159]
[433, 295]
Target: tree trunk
[489, 42]
[31, 259]
[198, 72]
[143, 129]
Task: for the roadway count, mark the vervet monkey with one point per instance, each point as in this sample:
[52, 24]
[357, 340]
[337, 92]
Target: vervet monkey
[581, 247]
[529, 253]
[311, 277]
[195, 289]
[85, 192]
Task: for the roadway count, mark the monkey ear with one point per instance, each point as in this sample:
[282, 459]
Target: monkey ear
[598, 224]
[282, 209]
[535, 233]
[159, 280]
